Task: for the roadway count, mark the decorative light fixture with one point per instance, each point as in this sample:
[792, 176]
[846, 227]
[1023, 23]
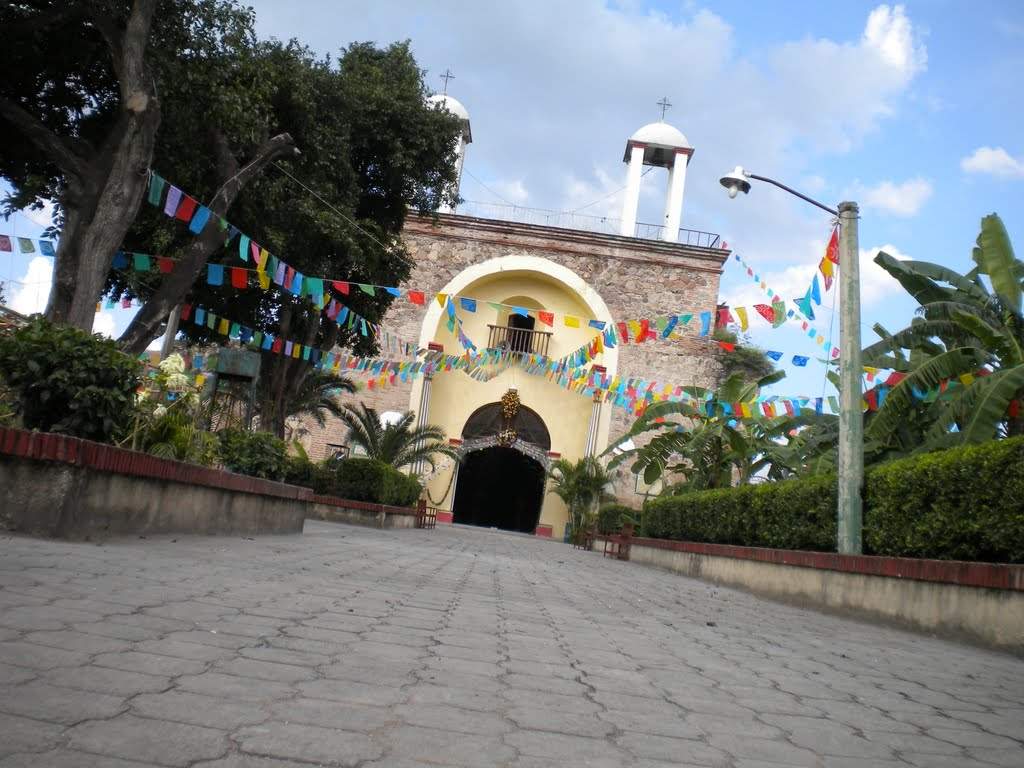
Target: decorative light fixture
[506, 437]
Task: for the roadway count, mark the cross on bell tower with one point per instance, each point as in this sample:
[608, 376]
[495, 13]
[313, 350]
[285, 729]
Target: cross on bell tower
[665, 105]
[446, 77]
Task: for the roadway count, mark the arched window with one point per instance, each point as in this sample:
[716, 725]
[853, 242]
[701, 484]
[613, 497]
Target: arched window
[486, 421]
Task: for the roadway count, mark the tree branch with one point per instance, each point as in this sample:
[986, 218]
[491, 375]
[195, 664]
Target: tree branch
[279, 145]
[44, 139]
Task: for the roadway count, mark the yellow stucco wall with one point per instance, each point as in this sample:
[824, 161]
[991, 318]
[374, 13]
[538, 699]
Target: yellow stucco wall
[455, 396]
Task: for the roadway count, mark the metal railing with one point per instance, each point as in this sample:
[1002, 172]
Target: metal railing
[570, 220]
[518, 339]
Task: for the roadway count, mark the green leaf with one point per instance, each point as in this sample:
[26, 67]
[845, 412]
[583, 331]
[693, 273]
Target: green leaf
[995, 257]
[989, 398]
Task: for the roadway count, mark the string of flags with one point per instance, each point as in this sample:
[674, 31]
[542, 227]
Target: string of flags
[27, 245]
[827, 266]
[181, 206]
[781, 313]
[633, 331]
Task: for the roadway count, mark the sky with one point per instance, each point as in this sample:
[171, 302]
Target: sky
[906, 109]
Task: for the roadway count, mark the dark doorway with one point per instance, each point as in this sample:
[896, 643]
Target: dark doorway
[520, 333]
[499, 488]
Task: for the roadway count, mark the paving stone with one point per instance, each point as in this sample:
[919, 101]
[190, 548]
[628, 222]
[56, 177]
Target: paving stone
[560, 722]
[333, 714]
[81, 642]
[559, 747]
[768, 750]
[10, 674]
[65, 758]
[307, 743]
[42, 701]
[149, 663]
[266, 670]
[34, 656]
[973, 738]
[106, 680]
[154, 741]
[234, 687]
[19, 734]
[673, 724]
[446, 718]
[181, 650]
[446, 747]
[456, 697]
[351, 691]
[911, 742]
[194, 709]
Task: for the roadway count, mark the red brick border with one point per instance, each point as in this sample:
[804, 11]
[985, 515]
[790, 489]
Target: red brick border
[965, 574]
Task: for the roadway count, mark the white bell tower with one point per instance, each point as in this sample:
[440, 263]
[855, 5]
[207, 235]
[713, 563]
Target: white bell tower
[453, 105]
[661, 145]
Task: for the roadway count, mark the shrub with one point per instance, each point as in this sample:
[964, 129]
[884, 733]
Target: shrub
[66, 380]
[964, 503]
[299, 470]
[259, 454]
[610, 517]
[361, 479]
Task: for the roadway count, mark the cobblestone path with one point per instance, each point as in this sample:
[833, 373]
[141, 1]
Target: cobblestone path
[350, 646]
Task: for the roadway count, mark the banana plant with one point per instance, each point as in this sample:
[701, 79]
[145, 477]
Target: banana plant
[714, 451]
[970, 330]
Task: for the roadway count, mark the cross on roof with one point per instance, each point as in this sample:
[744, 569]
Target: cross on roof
[664, 104]
[446, 77]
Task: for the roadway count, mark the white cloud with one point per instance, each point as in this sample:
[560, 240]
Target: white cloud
[558, 120]
[42, 217]
[890, 33]
[513, 191]
[31, 294]
[903, 200]
[104, 324]
[994, 161]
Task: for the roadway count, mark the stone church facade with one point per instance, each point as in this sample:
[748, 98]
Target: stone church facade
[564, 271]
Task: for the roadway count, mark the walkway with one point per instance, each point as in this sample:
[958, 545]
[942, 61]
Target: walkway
[352, 646]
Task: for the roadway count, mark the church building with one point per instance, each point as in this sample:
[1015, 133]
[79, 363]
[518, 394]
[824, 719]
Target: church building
[544, 283]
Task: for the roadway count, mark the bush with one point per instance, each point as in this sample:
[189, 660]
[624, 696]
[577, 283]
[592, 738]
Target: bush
[369, 480]
[610, 517]
[299, 470]
[964, 504]
[259, 454]
[66, 380]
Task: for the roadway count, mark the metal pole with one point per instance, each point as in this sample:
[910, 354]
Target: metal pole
[170, 332]
[851, 414]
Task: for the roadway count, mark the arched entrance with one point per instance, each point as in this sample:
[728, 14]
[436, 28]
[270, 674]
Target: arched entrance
[501, 486]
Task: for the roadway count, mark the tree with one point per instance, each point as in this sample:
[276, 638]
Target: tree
[371, 148]
[967, 332]
[317, 396]
[399, 444]
[81, 101]
[582, 486]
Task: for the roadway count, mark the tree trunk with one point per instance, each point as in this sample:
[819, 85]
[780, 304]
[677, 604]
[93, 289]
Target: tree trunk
[147, 323]
[104, 188]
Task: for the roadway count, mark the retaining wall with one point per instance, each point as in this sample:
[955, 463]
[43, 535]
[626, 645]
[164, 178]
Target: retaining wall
[59, 486]
[981, 601]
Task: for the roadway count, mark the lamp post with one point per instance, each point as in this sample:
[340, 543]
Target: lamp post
[851, 423]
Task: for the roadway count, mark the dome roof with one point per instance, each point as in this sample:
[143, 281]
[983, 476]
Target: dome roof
[453, 105]
[660, 133]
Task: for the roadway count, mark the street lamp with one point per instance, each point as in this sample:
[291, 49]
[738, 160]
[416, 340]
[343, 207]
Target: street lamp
[851, 424]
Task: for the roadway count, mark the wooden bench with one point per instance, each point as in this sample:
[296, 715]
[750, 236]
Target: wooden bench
[617, 544]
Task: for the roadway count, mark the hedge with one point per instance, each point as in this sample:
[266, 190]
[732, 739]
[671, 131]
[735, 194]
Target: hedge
[370, 480]
[960, 504]
[609, 518]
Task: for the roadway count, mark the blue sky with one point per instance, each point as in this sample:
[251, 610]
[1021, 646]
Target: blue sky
[886, 105]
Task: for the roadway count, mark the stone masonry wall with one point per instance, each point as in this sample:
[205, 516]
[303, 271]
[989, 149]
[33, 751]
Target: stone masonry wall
[636, 278]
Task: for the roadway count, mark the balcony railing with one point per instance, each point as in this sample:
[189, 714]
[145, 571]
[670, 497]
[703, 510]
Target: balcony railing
[578, 221]
[518, 340]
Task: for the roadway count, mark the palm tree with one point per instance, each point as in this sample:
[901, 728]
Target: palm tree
[317, 396]
[966, 331]
[399, 444]
[582, 485]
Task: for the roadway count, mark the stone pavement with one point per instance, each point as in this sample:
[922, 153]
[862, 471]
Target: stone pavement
[351, 646]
